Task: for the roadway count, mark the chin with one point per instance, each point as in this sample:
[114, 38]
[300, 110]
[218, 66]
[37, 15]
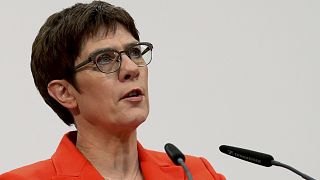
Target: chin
[135, 120]
[138, 119]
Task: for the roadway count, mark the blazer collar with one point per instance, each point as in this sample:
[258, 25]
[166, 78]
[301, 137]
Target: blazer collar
[70, 163]
[157, 166]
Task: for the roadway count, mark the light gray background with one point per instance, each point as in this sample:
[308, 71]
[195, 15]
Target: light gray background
[238, 72]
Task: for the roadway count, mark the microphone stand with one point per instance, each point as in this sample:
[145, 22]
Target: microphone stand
[304, 176]
[185, 168]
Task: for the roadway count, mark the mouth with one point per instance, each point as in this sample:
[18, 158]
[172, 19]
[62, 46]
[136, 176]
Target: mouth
[133, 93]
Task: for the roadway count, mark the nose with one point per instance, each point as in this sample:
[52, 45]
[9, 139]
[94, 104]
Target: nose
[128, 69]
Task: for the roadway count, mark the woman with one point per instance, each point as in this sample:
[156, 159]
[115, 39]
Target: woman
[90, 67]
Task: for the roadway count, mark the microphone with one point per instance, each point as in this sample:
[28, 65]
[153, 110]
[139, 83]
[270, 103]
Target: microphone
[248, 155]
[177, 158]
[258, 158]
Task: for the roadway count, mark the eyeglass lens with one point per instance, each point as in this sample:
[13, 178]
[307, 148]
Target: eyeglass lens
[109, 60]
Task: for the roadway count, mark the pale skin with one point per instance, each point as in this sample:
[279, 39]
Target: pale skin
[106, 123]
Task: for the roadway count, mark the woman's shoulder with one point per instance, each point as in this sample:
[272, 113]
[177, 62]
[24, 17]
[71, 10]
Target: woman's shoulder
[38, 170]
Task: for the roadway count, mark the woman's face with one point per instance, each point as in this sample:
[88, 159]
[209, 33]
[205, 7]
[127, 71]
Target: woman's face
[105, 100]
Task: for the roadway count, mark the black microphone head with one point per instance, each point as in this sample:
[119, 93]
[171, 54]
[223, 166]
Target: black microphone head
[174, 153]
[248, 155]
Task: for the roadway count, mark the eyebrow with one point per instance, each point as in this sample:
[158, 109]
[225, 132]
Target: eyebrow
[126, 46]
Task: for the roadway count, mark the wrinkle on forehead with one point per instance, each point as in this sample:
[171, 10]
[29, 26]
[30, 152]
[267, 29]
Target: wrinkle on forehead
[101, 33]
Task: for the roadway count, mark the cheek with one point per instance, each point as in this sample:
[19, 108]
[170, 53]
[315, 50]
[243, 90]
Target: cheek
[103, 95]
[98, 94]
[97, 106]
[144, 75]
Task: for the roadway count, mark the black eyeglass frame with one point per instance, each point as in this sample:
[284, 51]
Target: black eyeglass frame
[92, 57]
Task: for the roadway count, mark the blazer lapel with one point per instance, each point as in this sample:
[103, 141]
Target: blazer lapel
[158, 168]
[70, 164]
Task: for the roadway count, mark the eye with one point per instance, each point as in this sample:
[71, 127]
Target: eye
[106, 57]
[135, 52]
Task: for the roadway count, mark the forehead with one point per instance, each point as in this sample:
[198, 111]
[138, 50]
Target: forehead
[116, 39]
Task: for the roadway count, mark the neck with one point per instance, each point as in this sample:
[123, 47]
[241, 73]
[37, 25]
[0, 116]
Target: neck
[114, 156]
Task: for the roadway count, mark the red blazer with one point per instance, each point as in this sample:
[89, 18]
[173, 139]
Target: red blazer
[67, 163]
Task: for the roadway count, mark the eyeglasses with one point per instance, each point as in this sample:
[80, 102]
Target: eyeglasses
[109, 60]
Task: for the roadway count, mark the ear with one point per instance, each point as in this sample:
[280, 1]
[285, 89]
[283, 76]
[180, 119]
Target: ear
[63, 92]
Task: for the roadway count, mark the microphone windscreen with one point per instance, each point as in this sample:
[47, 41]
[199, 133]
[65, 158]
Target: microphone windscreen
[174, 153]
[247, 155]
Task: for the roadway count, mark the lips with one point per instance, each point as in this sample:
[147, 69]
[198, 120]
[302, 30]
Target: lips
[133, 93]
